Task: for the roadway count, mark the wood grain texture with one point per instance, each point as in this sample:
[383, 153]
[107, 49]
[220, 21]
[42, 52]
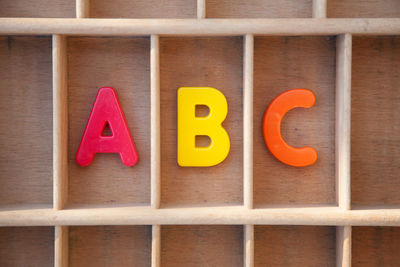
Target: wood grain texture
[258, 9]
[26, 118]
[117, 246]
[213, 62]
[376, 246]
[143, 9]
[375, 138]
[27, 246]
[343, 120]
[363, 9]
[202, 245]
[38, 8]
[294, 246]
[122, 63]
[280, 64]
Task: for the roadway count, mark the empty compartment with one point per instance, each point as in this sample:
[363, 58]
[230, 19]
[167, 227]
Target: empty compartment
[202, 245]
[26, 114]
[258, 9]
[363, 9]
[38, 8]
[294, 246]
[109, 246]
[375, 246]
[27, 246]
[209, 62]
[121, 63]
[375, 121]
[281, 64]
[143, 9]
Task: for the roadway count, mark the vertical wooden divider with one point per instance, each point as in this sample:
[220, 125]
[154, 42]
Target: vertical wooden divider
[60, 145]
[319, 9]
[201, 9]
[248, 69]
[343, 133]
[82, 8]
[155, 143]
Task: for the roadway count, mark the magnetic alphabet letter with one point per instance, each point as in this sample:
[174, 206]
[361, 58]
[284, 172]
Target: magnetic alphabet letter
[106, 110]
[190, 126]
[298, 157]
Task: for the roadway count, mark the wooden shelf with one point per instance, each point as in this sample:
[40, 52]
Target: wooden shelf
[250, 210]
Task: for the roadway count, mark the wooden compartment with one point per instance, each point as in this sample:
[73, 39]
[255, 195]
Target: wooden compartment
[38, 8]
[109, 246]
[27, 246]
[121, 63]
[212, 62]
[375, 138]
[201, 245]
[143, 9]
[258, 9]
[294, 246]
[280, 64]
[375, 246]
[363, 9]
[26, 118]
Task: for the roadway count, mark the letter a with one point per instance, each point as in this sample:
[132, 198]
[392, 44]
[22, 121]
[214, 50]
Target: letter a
[190, 126]
[106, 110]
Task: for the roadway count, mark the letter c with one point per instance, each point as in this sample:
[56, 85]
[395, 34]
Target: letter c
[295, 98]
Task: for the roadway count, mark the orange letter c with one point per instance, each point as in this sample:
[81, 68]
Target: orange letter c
[296, 98]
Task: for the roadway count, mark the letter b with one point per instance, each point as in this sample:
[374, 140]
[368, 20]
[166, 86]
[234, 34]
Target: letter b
[190, 126]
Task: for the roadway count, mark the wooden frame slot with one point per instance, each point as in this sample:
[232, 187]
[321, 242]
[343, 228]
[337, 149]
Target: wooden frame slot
[27, 246]
[375, 157]
[202, 245]
[363, 9]
[26, 117]
[109, 246]
[280, 64]
[38, 8]
[213, 62]
[121, 63]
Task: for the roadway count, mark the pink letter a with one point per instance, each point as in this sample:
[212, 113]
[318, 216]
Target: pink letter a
[106, 109]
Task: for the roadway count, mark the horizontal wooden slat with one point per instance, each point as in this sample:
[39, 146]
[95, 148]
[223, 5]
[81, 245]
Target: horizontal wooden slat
[204, 215]
[198, 27]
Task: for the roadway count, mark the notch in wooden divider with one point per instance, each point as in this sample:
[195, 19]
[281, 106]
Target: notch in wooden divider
[343, 246]
[82, 8]
[60, 122]
[319, 9]
[156, 246]
[201, 9]
[343, 118]
[61, 246]
[248, 245]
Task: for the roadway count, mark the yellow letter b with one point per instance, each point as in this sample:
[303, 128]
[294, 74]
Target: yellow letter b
[190, 126]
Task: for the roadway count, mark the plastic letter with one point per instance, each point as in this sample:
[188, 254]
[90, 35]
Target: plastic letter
[190, 126]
